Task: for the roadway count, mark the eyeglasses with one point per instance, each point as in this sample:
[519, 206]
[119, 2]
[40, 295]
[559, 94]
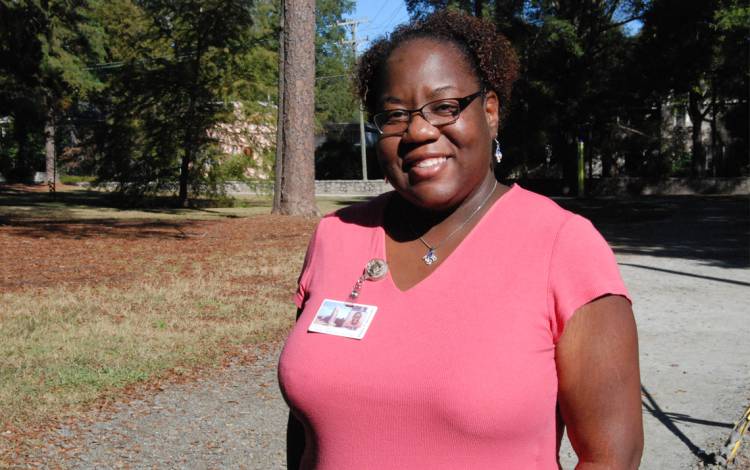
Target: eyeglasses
[437, 113]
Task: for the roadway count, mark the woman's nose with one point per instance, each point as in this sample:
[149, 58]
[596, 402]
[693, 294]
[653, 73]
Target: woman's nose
[419, 129]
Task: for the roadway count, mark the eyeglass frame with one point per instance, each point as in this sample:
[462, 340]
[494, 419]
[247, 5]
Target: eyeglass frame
[463, 103]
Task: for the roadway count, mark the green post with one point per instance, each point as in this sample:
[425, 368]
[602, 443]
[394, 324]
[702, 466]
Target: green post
[581, 169]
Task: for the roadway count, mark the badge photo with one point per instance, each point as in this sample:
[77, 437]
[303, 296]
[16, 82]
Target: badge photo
[345, 319]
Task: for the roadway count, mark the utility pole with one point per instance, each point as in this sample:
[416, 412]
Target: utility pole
[362, 142]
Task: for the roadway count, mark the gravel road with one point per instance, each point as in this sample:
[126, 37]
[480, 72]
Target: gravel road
[233, 418]
[685, 262]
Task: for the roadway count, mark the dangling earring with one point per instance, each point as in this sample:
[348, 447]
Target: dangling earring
[498, 152]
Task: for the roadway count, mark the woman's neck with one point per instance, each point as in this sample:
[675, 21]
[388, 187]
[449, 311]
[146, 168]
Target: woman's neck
[422, 220]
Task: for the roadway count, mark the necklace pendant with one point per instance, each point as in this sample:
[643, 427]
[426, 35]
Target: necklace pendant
[430, 257]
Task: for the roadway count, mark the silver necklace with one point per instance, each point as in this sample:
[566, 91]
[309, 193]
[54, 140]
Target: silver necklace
[431, 256]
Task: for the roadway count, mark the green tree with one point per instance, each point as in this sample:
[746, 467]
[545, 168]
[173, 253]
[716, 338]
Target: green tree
[574, 63]
[334, 59]
[694, 55]
[20, 58]
[204, 38]
[677, 45]
[47, 46]
[731, 82]
[176, 73]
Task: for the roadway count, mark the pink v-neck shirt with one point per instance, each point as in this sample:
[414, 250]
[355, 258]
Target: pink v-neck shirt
[457, 372]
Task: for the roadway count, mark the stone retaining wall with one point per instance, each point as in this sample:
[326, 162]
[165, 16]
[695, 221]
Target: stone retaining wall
[322, 188]
[620, 186]
[351, 188]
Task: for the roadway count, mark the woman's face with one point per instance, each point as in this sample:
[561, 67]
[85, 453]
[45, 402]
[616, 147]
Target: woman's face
[435, 167]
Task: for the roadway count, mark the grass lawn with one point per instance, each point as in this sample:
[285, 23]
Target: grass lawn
[70, 203]
[95, 298]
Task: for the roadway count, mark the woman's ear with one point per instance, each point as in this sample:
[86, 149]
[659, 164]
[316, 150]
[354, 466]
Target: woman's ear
[492, 110]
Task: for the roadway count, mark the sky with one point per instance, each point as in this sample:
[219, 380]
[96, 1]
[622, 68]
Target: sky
[381, 16]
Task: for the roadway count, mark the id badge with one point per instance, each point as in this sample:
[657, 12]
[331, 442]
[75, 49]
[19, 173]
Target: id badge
[345, 319]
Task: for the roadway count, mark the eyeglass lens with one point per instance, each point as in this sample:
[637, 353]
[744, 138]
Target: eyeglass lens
[437, 113]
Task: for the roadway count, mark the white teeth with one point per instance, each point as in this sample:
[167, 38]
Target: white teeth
[430, 162]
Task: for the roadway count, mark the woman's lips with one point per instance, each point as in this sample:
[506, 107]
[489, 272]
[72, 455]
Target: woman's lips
[430, 162]
[427, 168]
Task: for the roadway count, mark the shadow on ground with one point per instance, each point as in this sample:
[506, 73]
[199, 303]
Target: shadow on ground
[106, 228]
[31, 211]
[714, 230]
[38, 196]
[670, 420]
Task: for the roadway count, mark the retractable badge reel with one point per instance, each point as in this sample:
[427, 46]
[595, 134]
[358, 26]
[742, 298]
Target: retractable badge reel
[375, 270]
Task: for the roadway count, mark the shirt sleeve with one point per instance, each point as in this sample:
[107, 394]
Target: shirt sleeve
[582, 269]
[303, 282]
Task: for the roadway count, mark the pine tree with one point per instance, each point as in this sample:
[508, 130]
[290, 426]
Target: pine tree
[297, 190]
[53, 41]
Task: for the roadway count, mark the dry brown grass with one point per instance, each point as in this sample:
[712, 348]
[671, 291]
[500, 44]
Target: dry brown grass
[64, 347]
[89, 308]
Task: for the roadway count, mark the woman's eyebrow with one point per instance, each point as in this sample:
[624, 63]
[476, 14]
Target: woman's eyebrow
[391, 100]
[440, 90]
[432, 94]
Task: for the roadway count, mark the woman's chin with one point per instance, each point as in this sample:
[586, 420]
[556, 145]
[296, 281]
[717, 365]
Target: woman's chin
[432, 197]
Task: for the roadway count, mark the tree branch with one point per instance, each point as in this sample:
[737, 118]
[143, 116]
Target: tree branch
[621, 23]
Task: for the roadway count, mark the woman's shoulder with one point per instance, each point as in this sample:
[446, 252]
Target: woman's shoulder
[537, 209]
[540, 219]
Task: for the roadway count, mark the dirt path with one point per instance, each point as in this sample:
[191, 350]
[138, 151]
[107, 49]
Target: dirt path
[234, 418]
[685, 261]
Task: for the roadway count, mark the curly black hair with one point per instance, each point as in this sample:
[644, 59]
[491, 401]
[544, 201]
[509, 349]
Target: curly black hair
[487, 51]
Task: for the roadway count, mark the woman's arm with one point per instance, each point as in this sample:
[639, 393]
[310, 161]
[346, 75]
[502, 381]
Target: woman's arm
[599, 385]
[295, 442]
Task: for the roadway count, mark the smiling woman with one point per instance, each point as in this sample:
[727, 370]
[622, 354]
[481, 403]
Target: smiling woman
[497, 318]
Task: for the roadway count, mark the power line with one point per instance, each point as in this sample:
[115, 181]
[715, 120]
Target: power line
[394, 18]
[375, 16]
[385, 25]
[121, 63]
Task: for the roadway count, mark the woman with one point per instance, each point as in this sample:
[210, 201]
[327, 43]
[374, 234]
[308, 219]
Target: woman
[501, 318]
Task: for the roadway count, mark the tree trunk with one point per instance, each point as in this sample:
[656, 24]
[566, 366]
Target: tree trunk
[717, 157]
[182, 197]
[607, 160]
[298, 178]
[279, 163]
[191, 128]
[49, 150]
[188, 155]
[567, 151]
[698, 153]
[662, 166]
